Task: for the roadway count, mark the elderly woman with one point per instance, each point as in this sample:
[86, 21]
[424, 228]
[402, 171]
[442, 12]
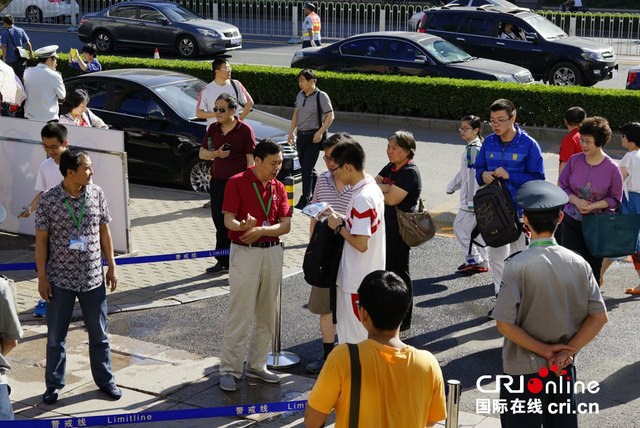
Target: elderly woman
[400, 182]
[594, 185]
[74, 111]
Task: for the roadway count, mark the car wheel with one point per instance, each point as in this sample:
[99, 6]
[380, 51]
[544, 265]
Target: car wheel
[187, 47]
[103, 41]
[33, 15]
[196, 175]
[565, 74]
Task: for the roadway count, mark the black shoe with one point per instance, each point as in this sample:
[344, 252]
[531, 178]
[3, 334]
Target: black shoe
[50, 396]
[112, 391]
[218, 268]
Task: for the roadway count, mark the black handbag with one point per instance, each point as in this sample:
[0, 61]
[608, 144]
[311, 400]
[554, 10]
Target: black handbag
[611, 235]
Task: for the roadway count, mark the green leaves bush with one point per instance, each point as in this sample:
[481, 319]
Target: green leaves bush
[438, 98]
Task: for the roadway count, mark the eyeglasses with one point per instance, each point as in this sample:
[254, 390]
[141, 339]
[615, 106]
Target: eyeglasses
[499, 121]
[225, 69]
[47, 148]
[219, 109]
[585, 141]
[326, 158]
[465, 129]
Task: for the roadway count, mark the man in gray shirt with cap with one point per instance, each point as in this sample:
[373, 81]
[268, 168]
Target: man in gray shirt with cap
[549, 307]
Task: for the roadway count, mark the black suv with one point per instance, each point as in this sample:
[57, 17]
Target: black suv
[534, 43]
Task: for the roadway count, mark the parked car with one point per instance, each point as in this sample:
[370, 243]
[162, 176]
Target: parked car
[540, 46]
[156, 110]
[157, 24]
[35, 11]
[406, 53]
[415, 19]
[633, 78]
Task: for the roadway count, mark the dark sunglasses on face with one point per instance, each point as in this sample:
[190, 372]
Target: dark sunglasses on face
[219, 109]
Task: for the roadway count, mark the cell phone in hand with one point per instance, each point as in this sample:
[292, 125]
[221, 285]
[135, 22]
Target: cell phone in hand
[226, 147]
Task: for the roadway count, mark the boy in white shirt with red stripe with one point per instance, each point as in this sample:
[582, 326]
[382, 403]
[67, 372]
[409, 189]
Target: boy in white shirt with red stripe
[364, 234]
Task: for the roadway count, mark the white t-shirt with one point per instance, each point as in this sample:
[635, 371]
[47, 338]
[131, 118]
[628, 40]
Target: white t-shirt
[631, 161]
[48, 175]
[210, 93]
[365, 216]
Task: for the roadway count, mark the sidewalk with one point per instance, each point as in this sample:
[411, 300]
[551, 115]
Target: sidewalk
[154, 377]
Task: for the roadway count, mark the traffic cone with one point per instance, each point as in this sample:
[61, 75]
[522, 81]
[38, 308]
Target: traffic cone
[156, 54]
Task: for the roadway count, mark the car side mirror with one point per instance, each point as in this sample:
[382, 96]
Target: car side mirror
[162, 20]
[155, 115]
[421, 59]
[531, 37]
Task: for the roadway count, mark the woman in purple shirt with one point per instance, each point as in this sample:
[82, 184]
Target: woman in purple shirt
[594, 185]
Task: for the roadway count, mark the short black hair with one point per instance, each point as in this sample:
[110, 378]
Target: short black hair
[504, 104]
[475, 123]
[386, 298]
[91, 49]
[575, 115]
[56, 130]
[217, 63]
[631, 130]
[337, 138]
[70, 160]
[232, 102]
[73, 99]
[308, 74]
[544, 221]
[266, 147]
[404, 140]
[349, 152]
[597, 127]
[8, 19]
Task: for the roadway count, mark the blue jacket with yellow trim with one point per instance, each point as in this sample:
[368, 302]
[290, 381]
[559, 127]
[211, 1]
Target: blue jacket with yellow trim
[522, 158]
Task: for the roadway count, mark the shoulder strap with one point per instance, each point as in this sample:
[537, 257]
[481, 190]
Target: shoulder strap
[319, 108]
[354, 407]
[10, 36]
[235, 89]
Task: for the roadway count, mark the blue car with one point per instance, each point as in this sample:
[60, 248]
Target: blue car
[157, 25]
[633, 78]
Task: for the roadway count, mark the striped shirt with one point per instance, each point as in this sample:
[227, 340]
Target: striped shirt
[326, 191]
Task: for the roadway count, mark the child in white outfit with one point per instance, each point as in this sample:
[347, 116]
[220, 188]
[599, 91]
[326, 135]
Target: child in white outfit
[465, 181]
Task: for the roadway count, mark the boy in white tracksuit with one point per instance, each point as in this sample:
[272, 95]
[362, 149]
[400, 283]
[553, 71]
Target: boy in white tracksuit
[465, 181]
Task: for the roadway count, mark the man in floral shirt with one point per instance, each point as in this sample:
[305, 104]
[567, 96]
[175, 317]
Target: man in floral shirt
[71, 230]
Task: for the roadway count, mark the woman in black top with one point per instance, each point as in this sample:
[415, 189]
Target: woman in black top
[400, 182]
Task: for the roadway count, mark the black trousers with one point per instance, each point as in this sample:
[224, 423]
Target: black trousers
[216, 191]
[558, 405]
[572, 238]
[18, 67]
[397, 261]
[308, 153]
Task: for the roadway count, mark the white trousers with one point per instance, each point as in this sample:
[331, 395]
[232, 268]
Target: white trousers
[462, 227]
[498, 255]
[349, 327]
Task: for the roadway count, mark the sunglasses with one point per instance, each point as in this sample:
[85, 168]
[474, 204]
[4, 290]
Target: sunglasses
[219, 109]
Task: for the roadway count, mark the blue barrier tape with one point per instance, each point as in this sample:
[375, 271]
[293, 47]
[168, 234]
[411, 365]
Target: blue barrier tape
[168, 415]
[133, 260]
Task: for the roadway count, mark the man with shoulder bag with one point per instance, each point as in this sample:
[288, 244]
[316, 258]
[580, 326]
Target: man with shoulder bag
[13, 40]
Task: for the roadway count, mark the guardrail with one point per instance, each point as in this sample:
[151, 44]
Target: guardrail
[283, 18]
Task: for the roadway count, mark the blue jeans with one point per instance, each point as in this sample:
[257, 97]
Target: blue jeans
[94, 311]
[6, 410]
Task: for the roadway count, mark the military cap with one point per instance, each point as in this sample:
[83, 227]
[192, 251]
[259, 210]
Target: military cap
[47, 51]
[540, 195]
[310, 6]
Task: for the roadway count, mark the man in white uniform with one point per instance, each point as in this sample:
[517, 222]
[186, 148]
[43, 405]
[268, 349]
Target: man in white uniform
[44, 86]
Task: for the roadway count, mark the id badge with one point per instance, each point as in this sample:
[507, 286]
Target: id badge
[78, 243]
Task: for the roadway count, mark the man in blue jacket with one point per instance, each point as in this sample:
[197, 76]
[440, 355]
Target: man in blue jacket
[512, 155]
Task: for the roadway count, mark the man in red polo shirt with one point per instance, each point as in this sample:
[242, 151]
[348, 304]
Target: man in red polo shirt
[229, 142]
[256, 212]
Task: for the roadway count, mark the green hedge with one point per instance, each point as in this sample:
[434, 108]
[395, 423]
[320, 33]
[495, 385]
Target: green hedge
[438, 98]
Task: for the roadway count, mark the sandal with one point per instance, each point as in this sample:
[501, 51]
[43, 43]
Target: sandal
[632, 291]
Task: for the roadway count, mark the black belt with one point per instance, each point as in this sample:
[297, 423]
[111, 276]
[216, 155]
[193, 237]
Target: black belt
[311, 131]
[267, 244]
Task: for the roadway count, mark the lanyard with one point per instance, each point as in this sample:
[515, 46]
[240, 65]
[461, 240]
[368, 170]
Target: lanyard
[266, 210]
[552, 241]
[77, 221]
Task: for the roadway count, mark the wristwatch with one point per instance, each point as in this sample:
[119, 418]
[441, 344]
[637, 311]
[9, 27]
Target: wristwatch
[339, 228]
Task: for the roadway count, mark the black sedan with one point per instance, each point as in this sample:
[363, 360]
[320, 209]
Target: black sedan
[157, 24]
[413, 54]
[156, 110]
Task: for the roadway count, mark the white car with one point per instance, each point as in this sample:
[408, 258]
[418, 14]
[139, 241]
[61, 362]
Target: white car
[35, 11]
[415, 19]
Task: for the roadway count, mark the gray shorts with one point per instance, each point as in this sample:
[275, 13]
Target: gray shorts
[319, 301]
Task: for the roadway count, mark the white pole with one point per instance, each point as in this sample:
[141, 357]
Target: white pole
[295, 39]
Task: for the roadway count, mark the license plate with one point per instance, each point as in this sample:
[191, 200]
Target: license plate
[614, 72]
[296, 164]
[236, 40]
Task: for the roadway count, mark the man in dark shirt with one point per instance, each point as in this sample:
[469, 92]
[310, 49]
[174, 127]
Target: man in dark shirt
[229, 142]
[71, 231]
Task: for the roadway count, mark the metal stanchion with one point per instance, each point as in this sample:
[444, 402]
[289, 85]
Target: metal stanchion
[277, 358]
[453, 403]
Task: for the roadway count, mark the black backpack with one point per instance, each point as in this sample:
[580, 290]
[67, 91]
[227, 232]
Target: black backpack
[496, 216]
[322, 258]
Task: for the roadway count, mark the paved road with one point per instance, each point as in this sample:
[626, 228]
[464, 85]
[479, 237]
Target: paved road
[255, 50]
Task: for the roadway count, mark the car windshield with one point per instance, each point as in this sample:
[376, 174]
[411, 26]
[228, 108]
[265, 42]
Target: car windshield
[182, 97]
[444, 51]
[547, 29]
[178, 13]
